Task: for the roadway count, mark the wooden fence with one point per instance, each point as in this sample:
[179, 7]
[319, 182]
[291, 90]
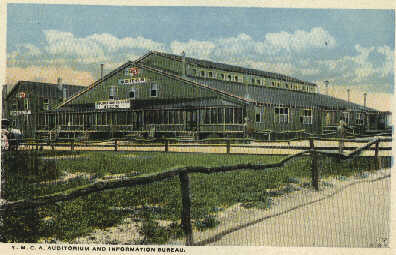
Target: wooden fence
[183, 173]
[166, 144]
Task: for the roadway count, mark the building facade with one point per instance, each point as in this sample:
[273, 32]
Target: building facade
[27, 101]
[163, 94]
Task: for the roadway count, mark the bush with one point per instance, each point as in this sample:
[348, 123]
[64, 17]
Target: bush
[208, 222]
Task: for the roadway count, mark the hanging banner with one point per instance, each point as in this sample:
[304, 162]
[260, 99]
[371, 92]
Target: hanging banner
[131, 81]
[113, 104]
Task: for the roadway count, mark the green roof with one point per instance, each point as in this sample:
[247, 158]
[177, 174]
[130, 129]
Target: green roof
[276, 96]
[232, 68]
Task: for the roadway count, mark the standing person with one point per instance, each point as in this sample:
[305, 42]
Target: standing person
[341, 133]
[4, 139]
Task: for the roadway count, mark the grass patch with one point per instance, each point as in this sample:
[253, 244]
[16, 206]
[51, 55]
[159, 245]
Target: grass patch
[157, 201]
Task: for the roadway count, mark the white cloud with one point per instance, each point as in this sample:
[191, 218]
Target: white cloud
[299, 40]
[387, 67]
[309, 71]
[64, 43]
[362, 66]
[201, 49]
[284, 52]
[31, 49]
[243, 44]
[96, 47]
[112, 43]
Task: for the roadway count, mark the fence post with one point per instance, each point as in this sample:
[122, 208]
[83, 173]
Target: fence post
[166, 145]
[314, 166]
[72, 145]
[115, 145]
[228, 145]
[186, 202]
[341, 146]
[377, 162]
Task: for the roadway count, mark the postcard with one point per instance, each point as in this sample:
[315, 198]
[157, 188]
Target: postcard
[202, 127]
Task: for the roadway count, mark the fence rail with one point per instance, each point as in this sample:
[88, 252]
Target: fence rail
[166, 144]
[183, 173]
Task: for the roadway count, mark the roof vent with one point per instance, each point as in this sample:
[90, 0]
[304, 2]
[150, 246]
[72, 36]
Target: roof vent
[349, 95]
[60, 84]
[327, 87]
[183, 56]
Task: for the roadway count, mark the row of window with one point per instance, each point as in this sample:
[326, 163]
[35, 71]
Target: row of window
[282, 116]
[253, 80]
[133, 92]
[209, 116]
[26, 104]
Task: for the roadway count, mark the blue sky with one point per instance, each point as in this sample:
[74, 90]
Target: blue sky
[349, 48]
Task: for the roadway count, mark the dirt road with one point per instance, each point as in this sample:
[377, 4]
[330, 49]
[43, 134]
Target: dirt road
[354, 212]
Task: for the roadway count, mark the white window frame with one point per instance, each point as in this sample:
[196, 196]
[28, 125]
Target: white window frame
[307, 119]
[113, 93]
[154, 87]
[261, 114]
[281, 116]
[64, 93]
[26, 104]
[46, 103]
[359, 119]
[346, 116]
[134, 93]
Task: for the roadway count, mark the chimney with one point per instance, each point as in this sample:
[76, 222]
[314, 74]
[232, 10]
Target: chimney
[59, 82]
[183, 55]
[348, 92]
[101, 71]
[365, 99]
[327, 87]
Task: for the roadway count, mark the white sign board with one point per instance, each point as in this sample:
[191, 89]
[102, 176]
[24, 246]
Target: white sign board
[17, 113]
[131, 81]
[113, 104]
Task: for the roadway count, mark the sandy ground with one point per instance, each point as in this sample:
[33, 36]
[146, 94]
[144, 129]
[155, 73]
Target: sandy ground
[354, 212]
[346, 212]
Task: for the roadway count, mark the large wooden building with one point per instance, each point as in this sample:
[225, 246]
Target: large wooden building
[27, 102]
[163, 94]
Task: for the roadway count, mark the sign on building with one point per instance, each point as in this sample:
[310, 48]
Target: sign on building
[113, 104]
[131, 81]
[18, 113]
